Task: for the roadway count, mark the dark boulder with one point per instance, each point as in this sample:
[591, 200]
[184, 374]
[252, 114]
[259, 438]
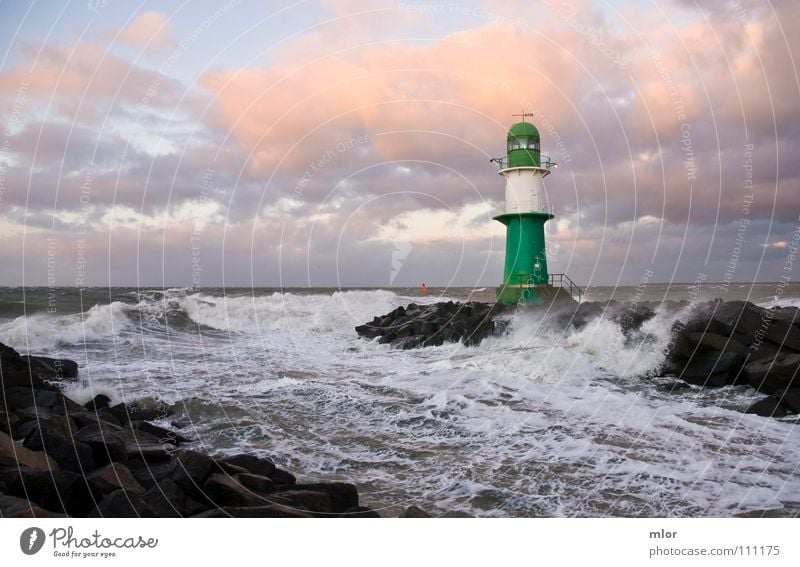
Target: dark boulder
[777, 405]
[13, 507]
[190, 470]
[774, 374]
[223, 490]
[167, 500]
[317, 502]
[432, 325]
[790, 400]
[19, 397]
[114, 476]
[149, 474]
[256, 465]
[51, 368]
[8, 422]
[122, 504]
[360, 512]
[99, 402]
[768, 407]
[414, 512]
[58, 491]
[14, 454]
[54, 436]
[339, 496]
[266, 511]
[283, 478]
[138, 411]
[255, 482]
[108, 444]
[784, 334]
[162, 434]
[705, 358]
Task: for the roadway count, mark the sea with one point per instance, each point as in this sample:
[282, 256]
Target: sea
[535, 422]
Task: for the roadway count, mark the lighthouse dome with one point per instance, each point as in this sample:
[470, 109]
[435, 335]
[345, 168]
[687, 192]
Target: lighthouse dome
[523, 145]
[523, 129]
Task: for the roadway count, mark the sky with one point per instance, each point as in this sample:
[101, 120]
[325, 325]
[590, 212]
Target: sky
[347, 143]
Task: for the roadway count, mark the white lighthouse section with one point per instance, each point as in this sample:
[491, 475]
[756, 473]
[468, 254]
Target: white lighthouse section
[524, 189]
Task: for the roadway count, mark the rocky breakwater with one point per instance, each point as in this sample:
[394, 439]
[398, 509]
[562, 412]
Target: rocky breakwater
[717, 344]
[737, 342]
[432, 325]
[60, 458]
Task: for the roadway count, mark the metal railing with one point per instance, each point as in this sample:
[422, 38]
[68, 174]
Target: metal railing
[565, 282]
[544, 161]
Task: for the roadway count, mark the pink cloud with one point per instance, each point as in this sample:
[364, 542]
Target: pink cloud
[151, 31]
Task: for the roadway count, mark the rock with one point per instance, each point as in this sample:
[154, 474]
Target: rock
[13, 454]
[711, 341]
[360, 512]
[107, 443]
[150, 452]
[167, 500]
[53, 435]
[456, 514]
[57, 491]
[101, 417]
[768, 407]
[51, 368]
[122, 504]
[712, 368]
[114, 476]
[8, 422]
[190, 471]
[251, 463]
[266, 511]
[163, 435]
[784, 334]
[14, 372]
[790, 400]
[705, 358]
[431, 325]
[282, 478]
[778, 405]
[100, 401]
[148, 474]
[12, 507]
[19, 397]
[414, 512]
[774, 374]
[369, 331]
[317, 502]
[255, 482]
[61, 425]
[223, 490]
[740, 319]
[138, 411]
[342, 496]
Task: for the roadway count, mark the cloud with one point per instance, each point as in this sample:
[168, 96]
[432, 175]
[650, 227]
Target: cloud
[374, 126]
[152, 32]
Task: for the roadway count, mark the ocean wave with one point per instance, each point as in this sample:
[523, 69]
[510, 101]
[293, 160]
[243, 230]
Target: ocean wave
[338, 312]
[42, 331]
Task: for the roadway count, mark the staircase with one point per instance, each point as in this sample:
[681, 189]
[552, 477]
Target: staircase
[565, 282]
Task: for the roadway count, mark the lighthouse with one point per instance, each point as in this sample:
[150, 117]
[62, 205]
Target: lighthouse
[525, 275]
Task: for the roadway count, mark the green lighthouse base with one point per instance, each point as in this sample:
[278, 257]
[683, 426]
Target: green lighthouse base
[533, 295]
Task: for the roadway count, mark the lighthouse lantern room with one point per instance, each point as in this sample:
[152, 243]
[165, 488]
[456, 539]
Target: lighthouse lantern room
[525, 276]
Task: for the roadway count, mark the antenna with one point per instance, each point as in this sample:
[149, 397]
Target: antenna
[523, 115]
